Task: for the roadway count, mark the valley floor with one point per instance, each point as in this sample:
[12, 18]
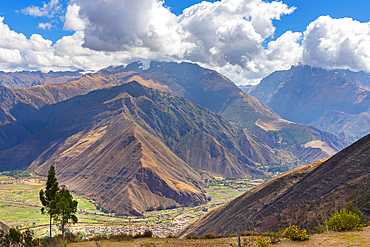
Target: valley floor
[360, 238]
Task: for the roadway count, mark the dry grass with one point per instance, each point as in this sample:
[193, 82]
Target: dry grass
[163, 242]
[360, 238]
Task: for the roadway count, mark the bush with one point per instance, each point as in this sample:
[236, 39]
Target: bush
[211, 236]
[16, 238]
[293, 233]
[146, 234]
[262, 242]
[320, 229]
[247, 233]
[121, 237]
[345, 220]
[274, 237]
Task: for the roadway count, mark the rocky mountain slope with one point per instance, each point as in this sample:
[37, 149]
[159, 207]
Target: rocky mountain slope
[306, 196]
[336, 101]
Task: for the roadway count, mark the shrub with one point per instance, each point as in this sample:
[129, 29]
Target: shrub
[211, 236]
[345, 220]
[274, 237]
[121, 237]
[262, 242]
[293, 233]
[146, 234]
[247, 233]
[320, 229]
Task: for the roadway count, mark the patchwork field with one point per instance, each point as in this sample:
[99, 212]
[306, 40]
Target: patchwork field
[20, 207]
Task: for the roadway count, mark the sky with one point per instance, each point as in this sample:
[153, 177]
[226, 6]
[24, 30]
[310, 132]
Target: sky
[246, 40]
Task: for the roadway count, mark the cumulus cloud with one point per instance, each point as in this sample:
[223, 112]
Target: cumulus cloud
[17, 52]
[48, 9]
[72, 20]
[219, 33]
[337, 43]
[227, 34]
[45, 26]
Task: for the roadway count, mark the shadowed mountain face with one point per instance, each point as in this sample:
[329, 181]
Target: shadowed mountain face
[336, 101]
[306, 196]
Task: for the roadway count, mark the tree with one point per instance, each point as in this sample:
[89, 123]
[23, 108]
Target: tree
[47, 196]
[64, 208]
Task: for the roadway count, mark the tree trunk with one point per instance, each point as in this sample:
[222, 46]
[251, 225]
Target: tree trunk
[50, 226]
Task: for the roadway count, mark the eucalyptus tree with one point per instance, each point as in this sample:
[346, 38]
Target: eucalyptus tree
[49, 194]
[64, 208]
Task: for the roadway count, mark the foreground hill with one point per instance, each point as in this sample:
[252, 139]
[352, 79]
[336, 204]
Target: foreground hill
[305, 196]
[336, 101]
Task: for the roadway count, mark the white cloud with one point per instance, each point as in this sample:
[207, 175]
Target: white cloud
[45, 26]
[36, 53]
[72, 20]
[219, 33]
[48, 9]
[337, 43]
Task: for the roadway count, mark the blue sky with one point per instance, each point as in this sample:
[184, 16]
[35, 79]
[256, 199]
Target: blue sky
[243, 39]
[306, 12]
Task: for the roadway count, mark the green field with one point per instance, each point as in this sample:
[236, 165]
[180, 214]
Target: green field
[20, 206]
[220, 194]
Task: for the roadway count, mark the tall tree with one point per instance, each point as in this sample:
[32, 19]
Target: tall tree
[64, 208]
[48, 195]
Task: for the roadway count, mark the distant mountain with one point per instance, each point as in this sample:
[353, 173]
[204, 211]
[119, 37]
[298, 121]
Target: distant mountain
[247, 88]
[305, 197]
[337, 101]
[25, 79]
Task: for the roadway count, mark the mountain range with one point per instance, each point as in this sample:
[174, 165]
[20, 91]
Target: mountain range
[25, 79]
[336, 101]
[129, 137]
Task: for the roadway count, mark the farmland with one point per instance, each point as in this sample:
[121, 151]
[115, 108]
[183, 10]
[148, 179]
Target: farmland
[20, 208]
